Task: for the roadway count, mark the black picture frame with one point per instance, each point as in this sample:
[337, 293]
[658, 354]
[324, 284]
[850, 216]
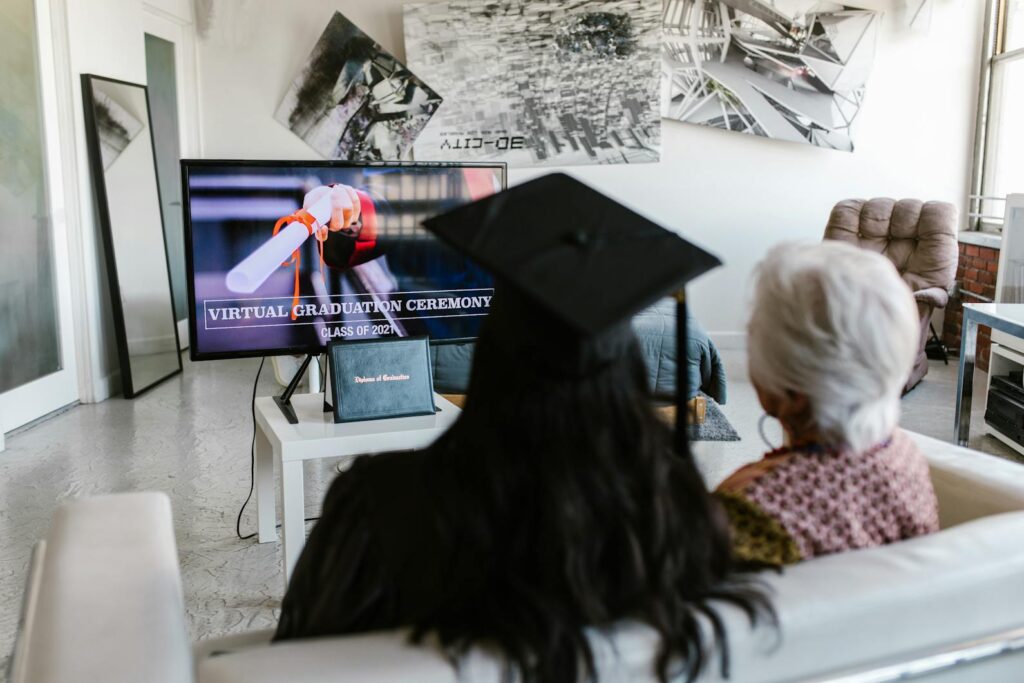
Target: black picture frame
[102, 213]
[186, 164]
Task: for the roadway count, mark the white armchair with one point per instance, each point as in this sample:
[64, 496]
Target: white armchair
[105, 603]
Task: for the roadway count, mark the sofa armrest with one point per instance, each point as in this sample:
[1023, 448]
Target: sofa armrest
[936, 297]
[969, 484]
[16, 663]
[889, 603]
[219, 646]
[105, 600]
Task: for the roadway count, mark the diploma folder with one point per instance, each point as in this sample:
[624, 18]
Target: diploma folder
[377, 379]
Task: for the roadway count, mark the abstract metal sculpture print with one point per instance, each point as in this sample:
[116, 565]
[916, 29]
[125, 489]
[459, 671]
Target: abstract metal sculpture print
[780, 70]
[353, 100]
[539, 83]
[115, 127]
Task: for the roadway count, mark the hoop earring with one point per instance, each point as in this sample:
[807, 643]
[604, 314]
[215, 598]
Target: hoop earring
[760, 431]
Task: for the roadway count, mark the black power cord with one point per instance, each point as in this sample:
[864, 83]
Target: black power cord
[252, 457]
[252, 461]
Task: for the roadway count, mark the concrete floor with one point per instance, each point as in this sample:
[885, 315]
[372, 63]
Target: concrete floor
[190, 438]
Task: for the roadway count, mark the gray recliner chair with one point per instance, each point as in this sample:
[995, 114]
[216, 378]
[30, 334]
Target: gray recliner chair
[920, 240]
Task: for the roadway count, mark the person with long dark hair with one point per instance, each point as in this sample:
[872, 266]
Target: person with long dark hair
[555, 503]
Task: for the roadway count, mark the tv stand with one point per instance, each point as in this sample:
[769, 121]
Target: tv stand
[284, 401]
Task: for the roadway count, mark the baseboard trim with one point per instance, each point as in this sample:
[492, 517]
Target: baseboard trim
[39, 420]
[182, 334]
[105, 387]
[729, 341]
[151, 345]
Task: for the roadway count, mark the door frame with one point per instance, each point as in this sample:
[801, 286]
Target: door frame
[52, 392]
[181, 32]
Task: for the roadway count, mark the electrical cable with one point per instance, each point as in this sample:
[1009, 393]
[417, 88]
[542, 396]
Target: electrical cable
[252, 462]
[323, 373]
[252, 457]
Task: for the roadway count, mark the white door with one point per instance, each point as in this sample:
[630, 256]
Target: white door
[171, 82]
[37, 350]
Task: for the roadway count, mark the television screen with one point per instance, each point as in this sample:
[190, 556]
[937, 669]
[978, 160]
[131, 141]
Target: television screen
[284, 257]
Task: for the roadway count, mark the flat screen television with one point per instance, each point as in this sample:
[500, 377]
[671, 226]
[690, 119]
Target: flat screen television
[269, 273]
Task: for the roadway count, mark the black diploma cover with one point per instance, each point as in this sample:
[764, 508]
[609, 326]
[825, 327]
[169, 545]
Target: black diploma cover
[374, 379]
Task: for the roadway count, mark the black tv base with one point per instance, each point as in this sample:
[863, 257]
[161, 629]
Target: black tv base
[284, 401]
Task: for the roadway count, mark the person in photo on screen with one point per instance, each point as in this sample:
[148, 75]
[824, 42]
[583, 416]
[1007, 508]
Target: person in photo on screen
[832, 340]
[349, 243]
[351, 239]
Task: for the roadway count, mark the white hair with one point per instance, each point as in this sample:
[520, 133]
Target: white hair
[837, 324]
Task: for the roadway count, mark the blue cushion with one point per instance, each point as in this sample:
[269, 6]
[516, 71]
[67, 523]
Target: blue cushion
[655, 328]
[451, 367]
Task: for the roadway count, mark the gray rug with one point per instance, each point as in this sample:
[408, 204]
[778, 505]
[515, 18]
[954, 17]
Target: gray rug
[715, 427]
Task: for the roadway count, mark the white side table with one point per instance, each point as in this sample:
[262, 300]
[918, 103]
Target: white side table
[316, 436]
[1008, 318]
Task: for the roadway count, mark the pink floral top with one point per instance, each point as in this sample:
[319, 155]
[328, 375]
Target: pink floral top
[796, 504]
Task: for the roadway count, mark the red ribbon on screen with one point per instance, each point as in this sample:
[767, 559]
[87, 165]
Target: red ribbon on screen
[368, 216]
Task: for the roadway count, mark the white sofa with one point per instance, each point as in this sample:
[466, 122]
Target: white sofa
[104, 603]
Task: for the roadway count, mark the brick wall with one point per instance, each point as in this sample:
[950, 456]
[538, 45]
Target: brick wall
[976, 280]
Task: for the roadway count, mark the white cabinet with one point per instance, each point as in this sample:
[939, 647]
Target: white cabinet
[1008, 352]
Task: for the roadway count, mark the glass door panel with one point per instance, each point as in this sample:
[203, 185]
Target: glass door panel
[37, 349]
[29, 325]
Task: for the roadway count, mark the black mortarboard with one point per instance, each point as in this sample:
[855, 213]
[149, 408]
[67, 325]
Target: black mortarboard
[586, 259]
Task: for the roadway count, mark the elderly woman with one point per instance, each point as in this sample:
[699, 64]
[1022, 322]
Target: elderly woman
[831, 340]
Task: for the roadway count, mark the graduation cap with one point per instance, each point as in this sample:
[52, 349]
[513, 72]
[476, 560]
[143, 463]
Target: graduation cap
[582, 258]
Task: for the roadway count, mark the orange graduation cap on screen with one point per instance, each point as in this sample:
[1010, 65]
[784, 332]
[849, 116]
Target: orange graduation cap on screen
[585, 258]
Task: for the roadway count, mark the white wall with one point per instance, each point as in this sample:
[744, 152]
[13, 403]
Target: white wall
[106, 39]
[735, 194]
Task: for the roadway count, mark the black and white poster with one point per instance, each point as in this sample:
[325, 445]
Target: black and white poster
[353, 100]
[114, 124]
[539, 83]
[787, 69]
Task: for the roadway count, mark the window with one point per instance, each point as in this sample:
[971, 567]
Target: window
[999, 167]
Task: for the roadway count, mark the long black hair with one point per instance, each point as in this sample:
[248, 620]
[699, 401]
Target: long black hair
[578, 510]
